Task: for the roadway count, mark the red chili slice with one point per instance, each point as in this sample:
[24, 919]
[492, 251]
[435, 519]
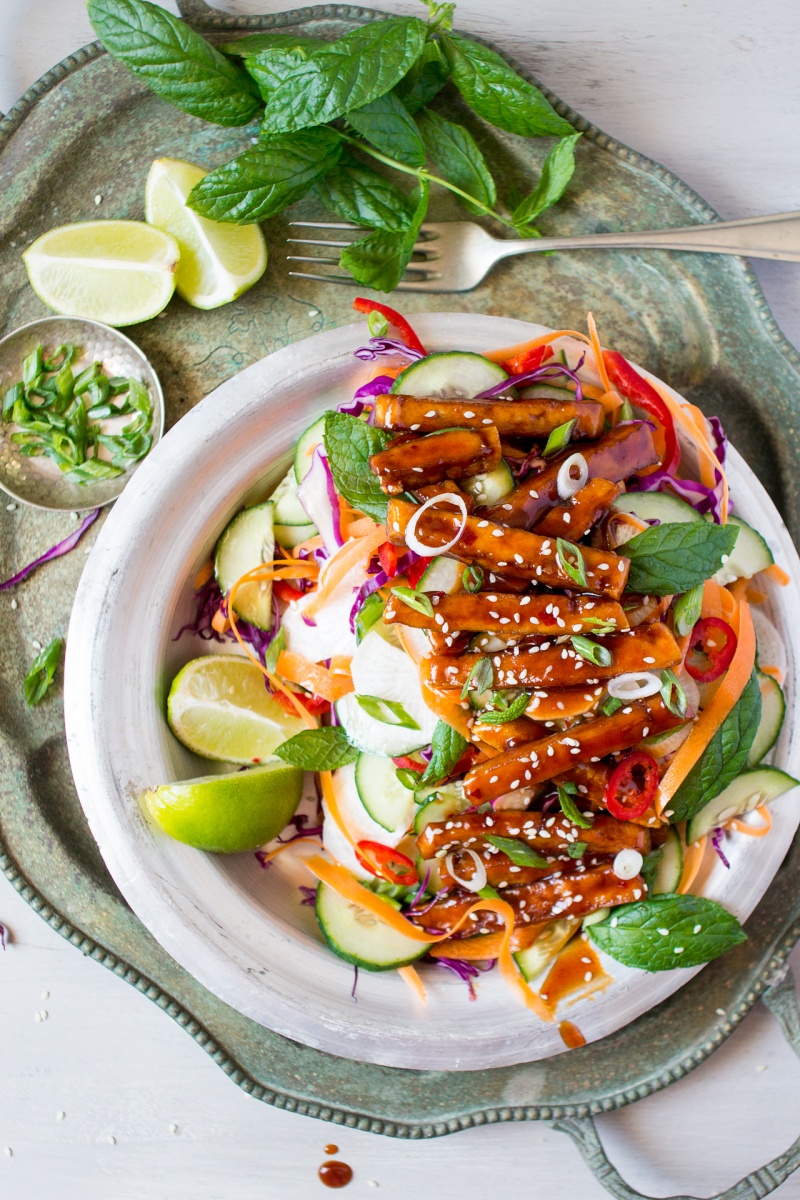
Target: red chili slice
[386, 863]
[632, 787]
[641, 393]
[362, 305]
[712, 645]
[387, 556]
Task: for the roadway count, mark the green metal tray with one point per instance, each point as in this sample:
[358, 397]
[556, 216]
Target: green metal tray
[700, 322]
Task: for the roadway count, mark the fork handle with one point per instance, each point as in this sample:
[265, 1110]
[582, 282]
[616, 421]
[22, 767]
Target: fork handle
[776, 236]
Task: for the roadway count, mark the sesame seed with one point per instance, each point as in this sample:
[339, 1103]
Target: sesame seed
[697, 928]
[498, 532]
[468, 413]
[678, 950]
[488, 421]
[587, 977]
[566, 518]
[482, 524]
[432, 412]
[415, 427]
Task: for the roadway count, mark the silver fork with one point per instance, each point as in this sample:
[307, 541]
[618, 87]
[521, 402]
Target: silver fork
[454, 256]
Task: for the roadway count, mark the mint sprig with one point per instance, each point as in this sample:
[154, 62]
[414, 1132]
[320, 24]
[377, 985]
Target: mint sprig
[667, 931]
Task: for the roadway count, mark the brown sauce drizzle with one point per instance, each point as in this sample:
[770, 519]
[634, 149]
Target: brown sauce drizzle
[335, 1174]
[577, 969]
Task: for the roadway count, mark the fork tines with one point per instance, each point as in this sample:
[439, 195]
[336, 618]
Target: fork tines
[416, 272]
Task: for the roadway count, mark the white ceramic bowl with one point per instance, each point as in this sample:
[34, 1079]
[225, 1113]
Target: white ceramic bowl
[238, 929]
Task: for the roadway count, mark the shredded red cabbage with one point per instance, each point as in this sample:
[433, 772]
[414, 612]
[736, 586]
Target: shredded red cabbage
[376, 387]
[716, 842]
[62, 547]
[379, 346]
[421, 889]
[540, 375]
[465, 970]
[720, 439]
[419, 912]
[309, 895]
[355, 984]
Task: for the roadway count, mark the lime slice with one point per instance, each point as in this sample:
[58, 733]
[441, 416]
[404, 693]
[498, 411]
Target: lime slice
[219, 707]
[219, 261]
[228, 813]
[117, 272]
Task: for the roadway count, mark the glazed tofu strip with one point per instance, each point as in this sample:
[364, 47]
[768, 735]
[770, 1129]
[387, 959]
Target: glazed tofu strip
[509, 733]
[451, 454]
[507, 551]
[574, 519]
[620, 453]
[557, 704]
[502, 873]
[526, 766]
[428, 491]
[650, 648]
[514, 616]
[573, 895]
[548, 834]
[512, 418]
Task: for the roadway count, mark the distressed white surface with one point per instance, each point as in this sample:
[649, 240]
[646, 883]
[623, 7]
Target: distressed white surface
[711, 90]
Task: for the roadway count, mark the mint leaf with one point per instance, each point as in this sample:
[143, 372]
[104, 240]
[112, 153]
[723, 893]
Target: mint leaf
[519, 852]
[357, 194]
[349, 444]
[322, 749]
[254, 43]
[378, 261]
[176, 63]
[667, 931]
[724, 757]
[267, 177]
[668, 559]
[556, 173]
[42, 672]
[447, 747]
[497, 93]
[302, 89]
[425, 80]
[387, 124]
[458, 157]
[499, 716]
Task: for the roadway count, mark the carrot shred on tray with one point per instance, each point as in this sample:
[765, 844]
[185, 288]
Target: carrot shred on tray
[776, 574]
[350, 889]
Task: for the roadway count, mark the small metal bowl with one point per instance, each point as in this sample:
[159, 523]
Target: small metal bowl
[38, 481]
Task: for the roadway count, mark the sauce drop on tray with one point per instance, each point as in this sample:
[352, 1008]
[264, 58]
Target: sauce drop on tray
[331, 1149]
[335, 1174]
[571, 1036]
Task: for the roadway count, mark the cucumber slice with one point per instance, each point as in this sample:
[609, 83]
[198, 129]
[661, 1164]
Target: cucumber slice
[550, 941]
[773, 710]
[750, 555]
[246, 542]
[288, 509]
[491, 487]
[452, 374]
[545, 391]
[751, 789]
[305, 448]
[670, 868]
[442, 575]
[361, 938]
[656, 506]
[290, 536]
[376, 737]
[447, 801]
[382, 793]
[594, 918]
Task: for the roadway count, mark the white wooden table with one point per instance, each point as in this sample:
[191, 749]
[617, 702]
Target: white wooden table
[101, 1095]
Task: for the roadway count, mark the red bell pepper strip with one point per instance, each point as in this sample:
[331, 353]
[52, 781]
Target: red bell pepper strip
[407, 335]
[311, 703]
[417, 569]
[632, 786]
[712, 645]
[386, 863]
[285, 592]
[528, 360]
[387, 557]
[643, 395]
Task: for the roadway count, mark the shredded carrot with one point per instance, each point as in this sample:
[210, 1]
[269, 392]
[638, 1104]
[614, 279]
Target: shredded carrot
[312, 543]
[692, 858]
[350, 889]
[699, 438]
[220, 622]
[707, 475]
[340, 664]
[343, 561]
[776, 574]
[360, 527]
[499, 356]
[410, 977]
[716, 710]
[718, 601]
[598, 354]
[265, 858]
[753, 594]
[488, 945]
[313, 676]
[204, 574]
[393, 371]
[756, 831]
[775, 672]
[329, 795]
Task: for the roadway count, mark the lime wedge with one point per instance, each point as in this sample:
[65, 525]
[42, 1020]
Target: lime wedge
[228, 813]
[219, 707]
[117, 272]
[219, 261]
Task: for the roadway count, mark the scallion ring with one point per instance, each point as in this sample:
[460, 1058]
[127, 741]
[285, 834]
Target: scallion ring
[567, 484]
[634, 685]
[411, 539]
[477, 881]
